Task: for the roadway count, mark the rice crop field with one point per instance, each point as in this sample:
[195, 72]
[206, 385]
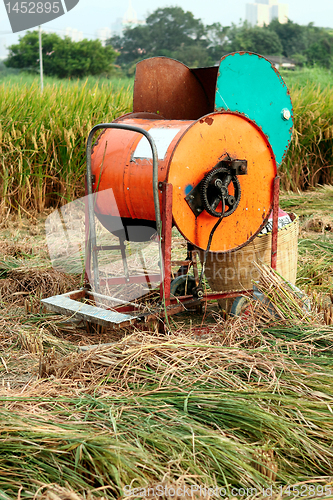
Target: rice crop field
[43, 139]
[43, 136]
[302, 77]
[309, 161]
[238, 408]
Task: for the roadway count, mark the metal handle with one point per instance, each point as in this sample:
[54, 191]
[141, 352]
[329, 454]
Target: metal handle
[92, 231]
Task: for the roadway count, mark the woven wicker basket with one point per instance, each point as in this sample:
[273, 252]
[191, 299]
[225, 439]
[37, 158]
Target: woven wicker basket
[236, 271]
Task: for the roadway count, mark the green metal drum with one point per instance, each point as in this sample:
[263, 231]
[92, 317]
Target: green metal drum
[250, 85]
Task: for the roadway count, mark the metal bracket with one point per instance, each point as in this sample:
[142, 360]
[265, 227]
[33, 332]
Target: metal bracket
[236, 167]
[194, 199]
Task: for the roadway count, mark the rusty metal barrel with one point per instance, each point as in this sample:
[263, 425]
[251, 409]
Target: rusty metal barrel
[202, 149]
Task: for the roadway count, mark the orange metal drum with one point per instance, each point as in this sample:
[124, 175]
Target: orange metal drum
[128, 170]
[208, 141]
[187, 150]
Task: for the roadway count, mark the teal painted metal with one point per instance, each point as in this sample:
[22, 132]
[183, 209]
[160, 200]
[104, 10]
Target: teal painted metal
[249, 84]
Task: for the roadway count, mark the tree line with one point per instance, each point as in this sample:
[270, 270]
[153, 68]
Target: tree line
[62, 58]
[172, 32]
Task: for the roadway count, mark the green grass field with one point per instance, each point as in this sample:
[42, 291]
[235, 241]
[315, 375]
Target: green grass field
[11, 76]
[307, 76]
[43, 136]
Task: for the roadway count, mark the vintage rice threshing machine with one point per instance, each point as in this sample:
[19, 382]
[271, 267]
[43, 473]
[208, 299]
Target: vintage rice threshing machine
[200, 153]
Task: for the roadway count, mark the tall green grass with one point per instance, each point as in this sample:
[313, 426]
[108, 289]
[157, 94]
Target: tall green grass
[43, 138]
[303, 77]
[309, 161]
[11, 77]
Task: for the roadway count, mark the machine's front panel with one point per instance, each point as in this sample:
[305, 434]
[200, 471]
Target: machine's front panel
[222, 137]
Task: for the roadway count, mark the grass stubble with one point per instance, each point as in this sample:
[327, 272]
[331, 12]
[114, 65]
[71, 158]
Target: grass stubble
[247, 405]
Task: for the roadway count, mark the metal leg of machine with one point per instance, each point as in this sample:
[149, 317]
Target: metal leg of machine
[166, 237]
[276, 196]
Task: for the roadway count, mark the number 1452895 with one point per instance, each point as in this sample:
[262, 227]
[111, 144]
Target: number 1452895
[33, 7]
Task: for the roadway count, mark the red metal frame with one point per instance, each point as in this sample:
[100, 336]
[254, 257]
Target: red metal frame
[276, 196]
[174, 305]
[166, 239]
[166, 245]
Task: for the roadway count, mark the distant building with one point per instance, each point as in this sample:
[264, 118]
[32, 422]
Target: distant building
[129, 20]
[117, 27]
[282, 62]
[264, 11]
[103, 34]
[74, 34]
[3, 48]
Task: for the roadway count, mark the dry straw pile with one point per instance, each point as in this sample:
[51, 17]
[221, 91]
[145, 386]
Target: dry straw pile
[249, 406]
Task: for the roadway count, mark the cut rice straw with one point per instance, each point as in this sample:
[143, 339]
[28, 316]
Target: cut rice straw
[280, 300]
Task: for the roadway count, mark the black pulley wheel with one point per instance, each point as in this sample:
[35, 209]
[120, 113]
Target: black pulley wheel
[240, 306]
[215, 187]
[183, 285]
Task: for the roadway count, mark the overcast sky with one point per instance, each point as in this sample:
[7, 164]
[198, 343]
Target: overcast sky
[89, 15]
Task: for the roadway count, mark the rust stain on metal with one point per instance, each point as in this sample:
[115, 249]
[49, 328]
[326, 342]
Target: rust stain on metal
[170, 88]
[208, 119]
[276, 194]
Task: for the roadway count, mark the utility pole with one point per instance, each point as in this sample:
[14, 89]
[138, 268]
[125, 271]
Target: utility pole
[41, 59]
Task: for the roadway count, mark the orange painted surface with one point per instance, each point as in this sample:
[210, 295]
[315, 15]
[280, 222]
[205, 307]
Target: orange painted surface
[196, 148]
[130, 178]
[205, 143]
